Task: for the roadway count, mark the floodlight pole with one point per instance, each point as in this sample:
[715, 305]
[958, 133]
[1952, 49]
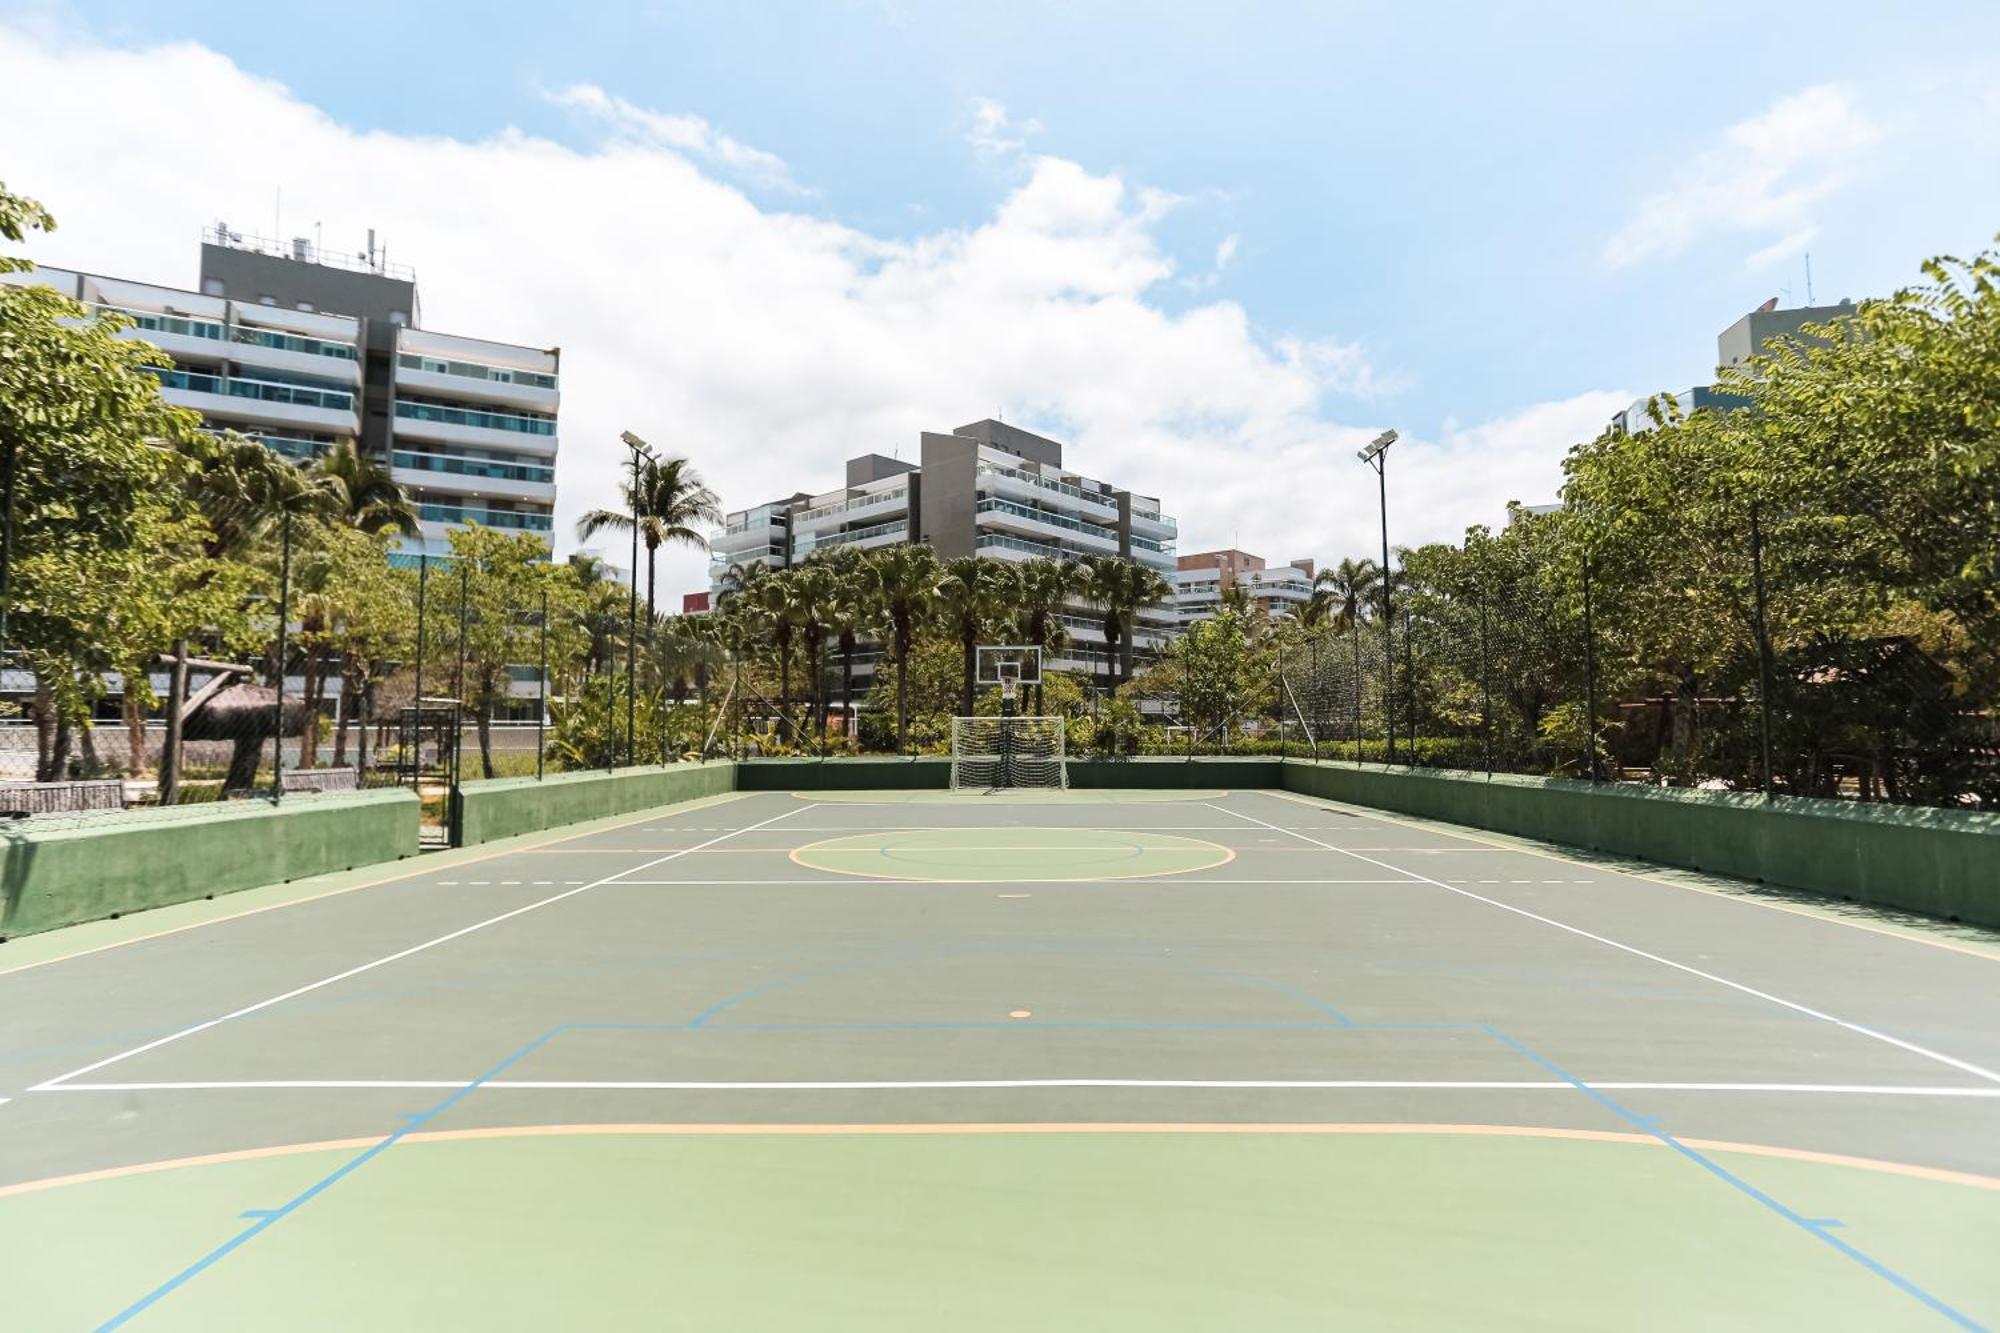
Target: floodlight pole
[639, 448]
[284, 611]
[1763, 646]
[1376, 455]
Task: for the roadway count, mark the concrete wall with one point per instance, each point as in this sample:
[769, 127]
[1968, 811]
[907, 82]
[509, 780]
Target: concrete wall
[945, 510]
[504, 807]
[868, 773]
[124, 863]
[1943, 863]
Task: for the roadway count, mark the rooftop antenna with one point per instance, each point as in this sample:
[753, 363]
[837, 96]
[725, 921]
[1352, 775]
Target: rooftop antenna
[1809, 296]
[277, 211]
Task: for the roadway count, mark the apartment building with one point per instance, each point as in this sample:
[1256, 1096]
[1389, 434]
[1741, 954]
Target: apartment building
[1203, 580]
[1752, 335]
[301, 348]
[986, 489]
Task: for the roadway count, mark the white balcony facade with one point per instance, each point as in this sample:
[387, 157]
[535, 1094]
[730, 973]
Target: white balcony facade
[442, 365]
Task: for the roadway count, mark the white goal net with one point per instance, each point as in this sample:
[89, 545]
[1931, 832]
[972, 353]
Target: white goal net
[989, 752]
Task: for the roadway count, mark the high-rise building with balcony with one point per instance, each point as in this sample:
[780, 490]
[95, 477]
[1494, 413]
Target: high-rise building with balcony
[1204, 579]
[989, 490]
[301, 348]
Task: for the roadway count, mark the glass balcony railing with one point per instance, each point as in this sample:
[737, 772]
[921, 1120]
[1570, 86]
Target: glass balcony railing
[857, 502]
[291, 342]
[492, 518]
[178, 325]
[473, 467]
[1058, 487]
[475, 370]
[268, 391]
[993, 504]
[815, 542]
[993, 539]
[294, 446]
[413, 410]
[1148, 544]
[185, 327]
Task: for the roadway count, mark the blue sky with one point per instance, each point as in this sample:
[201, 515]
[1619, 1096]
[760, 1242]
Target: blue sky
[1493, 214]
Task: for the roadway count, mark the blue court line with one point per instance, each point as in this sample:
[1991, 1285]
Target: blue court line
[1814, 1227]
[267, 1218]
[1818, 1228]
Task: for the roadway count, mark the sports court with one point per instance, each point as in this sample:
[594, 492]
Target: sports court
[1058, 1059]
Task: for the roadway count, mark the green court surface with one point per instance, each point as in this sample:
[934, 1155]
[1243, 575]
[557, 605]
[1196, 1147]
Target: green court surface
[1197, 1061]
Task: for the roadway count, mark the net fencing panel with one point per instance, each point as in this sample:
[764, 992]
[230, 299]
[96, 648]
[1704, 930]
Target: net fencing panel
[990, 752]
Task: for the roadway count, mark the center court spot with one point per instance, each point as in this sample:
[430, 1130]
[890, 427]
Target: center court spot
[1012, 855]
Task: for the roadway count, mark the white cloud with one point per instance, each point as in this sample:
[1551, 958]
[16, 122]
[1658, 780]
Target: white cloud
[995, 133]
[770, 345]
[1768, 174]
[683, 133]
[1225, 252]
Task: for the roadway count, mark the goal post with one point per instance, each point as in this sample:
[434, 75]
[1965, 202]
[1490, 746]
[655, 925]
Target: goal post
[993, 752]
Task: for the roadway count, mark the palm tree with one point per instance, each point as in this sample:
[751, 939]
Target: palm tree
[776, 596]
[903, 581]
[1350, 590]
[601, 614]
[669, 501]
[1046, 587]
[850, 613]
[973, 594]
[369, 497]
[1121, 587]
[814, 588]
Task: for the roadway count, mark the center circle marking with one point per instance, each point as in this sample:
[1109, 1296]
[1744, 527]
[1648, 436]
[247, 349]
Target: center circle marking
[1012, 855]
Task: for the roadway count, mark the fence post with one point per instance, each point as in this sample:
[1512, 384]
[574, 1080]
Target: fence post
[1356, 637]
[1589, 678]
[458, 676]
[284, 613]
[1187, 695]
[416, 754]
[1485, 688]
[1763, 645]
[1410, 680]
[542, 695]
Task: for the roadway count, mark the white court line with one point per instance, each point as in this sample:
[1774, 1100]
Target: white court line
[46, 1085]
[1964, 1066]
[899, 1085]
[1188, 880]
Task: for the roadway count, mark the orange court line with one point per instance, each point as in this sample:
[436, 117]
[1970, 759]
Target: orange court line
[1474, 836]
[1910, 1170]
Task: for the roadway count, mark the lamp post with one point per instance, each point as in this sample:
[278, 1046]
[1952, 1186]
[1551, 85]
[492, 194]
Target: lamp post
[640, 449]
[1376, 455]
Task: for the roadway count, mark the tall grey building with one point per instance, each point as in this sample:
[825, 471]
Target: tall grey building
[987, 489]
[301, 348]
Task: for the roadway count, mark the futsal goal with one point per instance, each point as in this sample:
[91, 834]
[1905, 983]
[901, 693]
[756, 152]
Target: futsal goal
[1008, 750]
[991, 752]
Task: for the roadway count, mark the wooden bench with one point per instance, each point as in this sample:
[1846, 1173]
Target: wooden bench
[321, 779]
[61, 798]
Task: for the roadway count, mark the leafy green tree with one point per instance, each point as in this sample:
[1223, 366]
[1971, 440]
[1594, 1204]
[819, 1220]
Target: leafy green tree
[494, 587]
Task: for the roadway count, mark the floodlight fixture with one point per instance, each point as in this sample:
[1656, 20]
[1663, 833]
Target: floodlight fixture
[1376, 446]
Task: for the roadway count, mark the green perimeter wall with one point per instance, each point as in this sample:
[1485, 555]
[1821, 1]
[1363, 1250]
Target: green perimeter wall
[58, 877]
[503, 807]
[866, 773]
[1942, 863]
